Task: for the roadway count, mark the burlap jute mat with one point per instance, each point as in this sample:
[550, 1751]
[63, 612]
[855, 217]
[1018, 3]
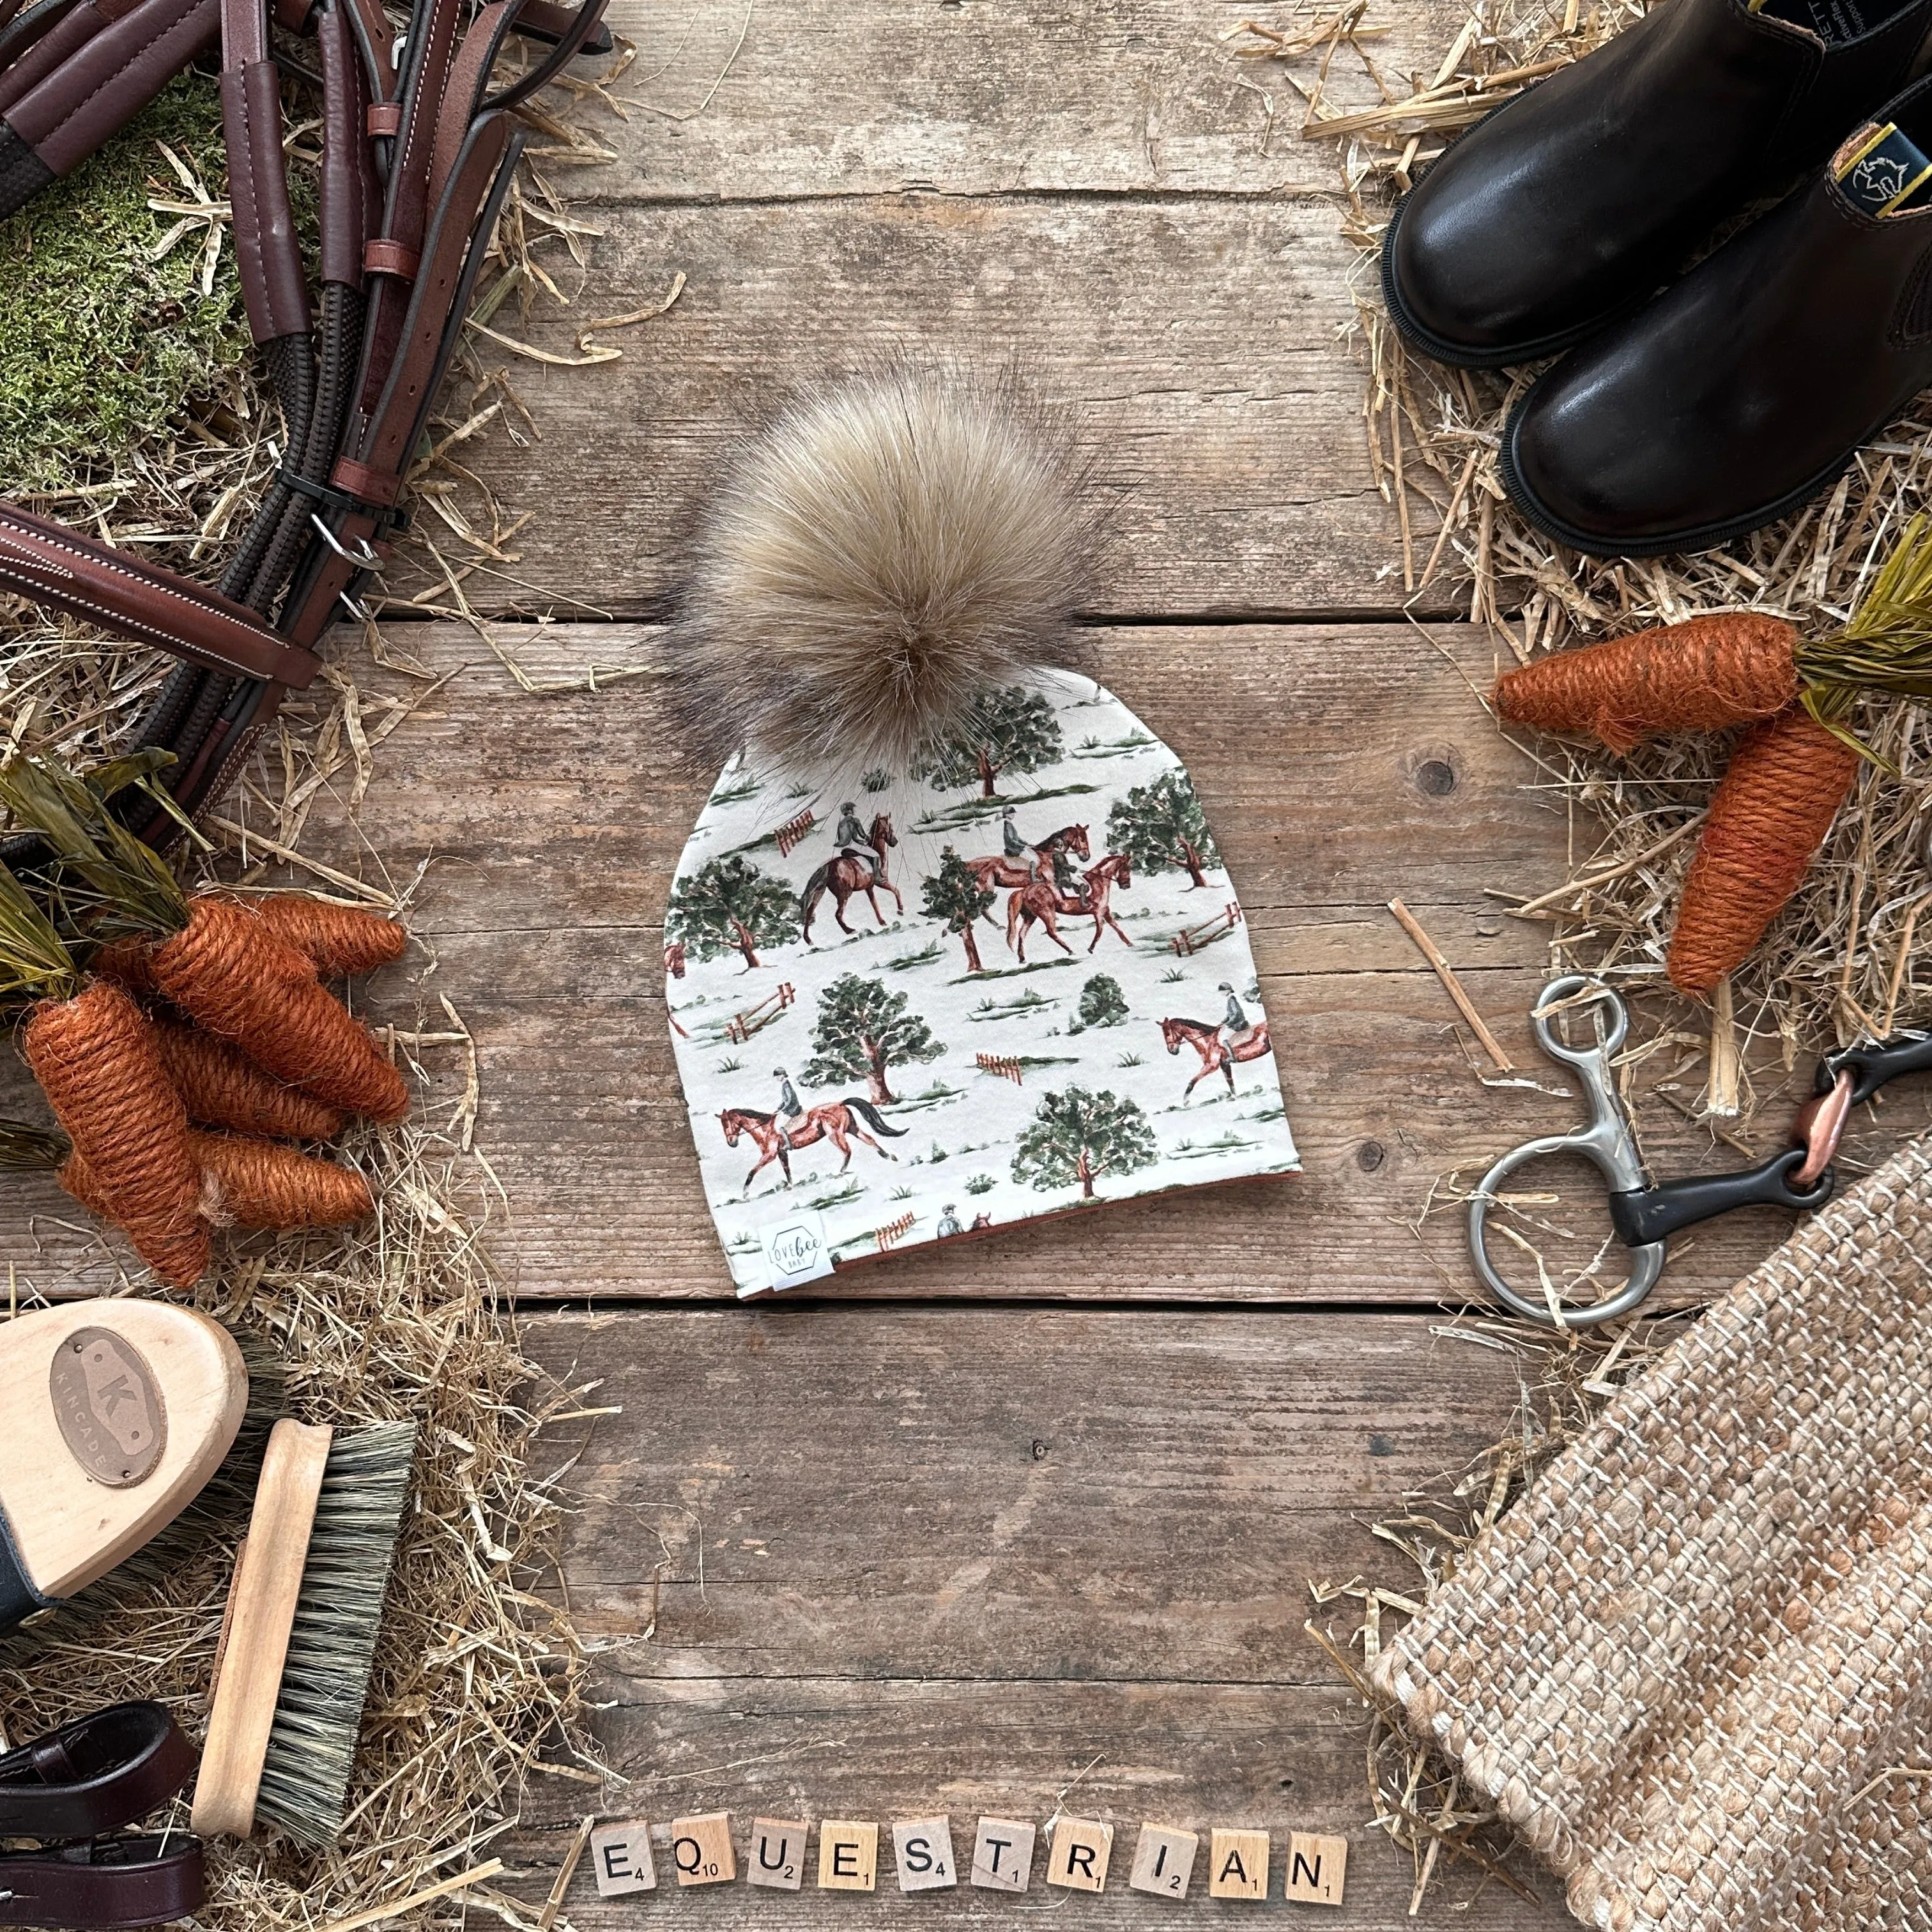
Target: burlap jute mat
[1691, 1665]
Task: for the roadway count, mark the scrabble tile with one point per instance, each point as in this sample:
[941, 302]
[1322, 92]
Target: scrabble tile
[1238, 1865]
[776, 1854]
[1318, 1868]
[1080, 1850]
[620, 1856]
[923, 1850]
[700, 1848]
[1164, 1861]
[1003, 1855]
[848, 1855]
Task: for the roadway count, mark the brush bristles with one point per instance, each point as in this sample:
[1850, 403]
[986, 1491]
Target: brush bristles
[311, 1754]
[885, 552]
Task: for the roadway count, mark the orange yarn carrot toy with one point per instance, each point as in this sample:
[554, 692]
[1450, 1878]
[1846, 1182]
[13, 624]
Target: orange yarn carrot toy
[275, 1054]
[1791, 771]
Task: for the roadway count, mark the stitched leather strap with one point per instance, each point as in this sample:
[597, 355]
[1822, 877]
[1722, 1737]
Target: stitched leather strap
[94, 1775]
[136, 599]
[108, 1884]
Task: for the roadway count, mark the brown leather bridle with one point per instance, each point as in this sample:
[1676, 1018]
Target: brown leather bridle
[416, 160]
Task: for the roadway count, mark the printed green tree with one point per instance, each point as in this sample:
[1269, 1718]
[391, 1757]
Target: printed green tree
[1102, 1002]
[1077, 1135]
[1008, 730]
[728, 904]
[955, 894]
[864, 1031]
[1159, 826]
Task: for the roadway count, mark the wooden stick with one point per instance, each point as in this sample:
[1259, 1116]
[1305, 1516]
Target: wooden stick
[1725, 1072]
[553, 1904]
[1446, 973]
[376, 1914]
[1530, 907]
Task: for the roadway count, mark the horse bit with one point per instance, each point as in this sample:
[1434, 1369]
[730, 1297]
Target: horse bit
[1643, 1214]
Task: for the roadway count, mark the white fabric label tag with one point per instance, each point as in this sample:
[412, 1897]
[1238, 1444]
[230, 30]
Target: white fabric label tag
[796, 1250]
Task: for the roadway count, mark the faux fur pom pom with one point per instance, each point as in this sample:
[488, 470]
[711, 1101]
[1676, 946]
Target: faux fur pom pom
[886, 551]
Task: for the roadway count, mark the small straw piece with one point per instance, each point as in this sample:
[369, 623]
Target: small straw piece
[1446, 973]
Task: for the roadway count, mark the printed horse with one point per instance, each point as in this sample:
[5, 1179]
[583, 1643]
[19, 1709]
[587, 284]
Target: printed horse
[1204, 1036]
[842, 877]
[998, 873]
[832, 1121]
[1038, 903]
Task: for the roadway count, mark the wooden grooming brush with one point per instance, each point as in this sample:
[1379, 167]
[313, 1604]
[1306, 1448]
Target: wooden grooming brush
[115, 1413]
[299, 1641]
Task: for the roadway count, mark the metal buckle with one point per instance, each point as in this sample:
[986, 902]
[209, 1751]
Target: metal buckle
[368, 560]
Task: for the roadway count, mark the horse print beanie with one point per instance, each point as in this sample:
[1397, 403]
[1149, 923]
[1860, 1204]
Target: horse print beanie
[951, 945]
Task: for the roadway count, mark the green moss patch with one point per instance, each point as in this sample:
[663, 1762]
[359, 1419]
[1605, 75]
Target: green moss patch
[100, 348]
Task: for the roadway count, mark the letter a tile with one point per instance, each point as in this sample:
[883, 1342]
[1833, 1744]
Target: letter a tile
[1002, 1854]
[922, 1849]
[776, 1855]
[1238, 1865]
[1081, 1847]
[848, 1855]
[1164, 1861]
[1318, 1868]
[700, 1848]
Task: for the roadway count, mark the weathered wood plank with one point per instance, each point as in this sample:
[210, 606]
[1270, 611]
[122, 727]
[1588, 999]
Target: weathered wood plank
[822, 99]
[1340, 766]
[1198, 346]
[999, 1494]
[963, 1560]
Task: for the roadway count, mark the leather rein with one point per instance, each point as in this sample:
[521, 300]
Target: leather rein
[417, 157]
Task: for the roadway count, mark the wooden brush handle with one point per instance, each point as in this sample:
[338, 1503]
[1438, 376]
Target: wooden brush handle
[261, 1613]
[114, 1414]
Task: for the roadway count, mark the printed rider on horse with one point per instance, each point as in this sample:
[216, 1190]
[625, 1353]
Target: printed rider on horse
[1018, 851]
[1235, 1028]
[789, 1111]
[854, 842]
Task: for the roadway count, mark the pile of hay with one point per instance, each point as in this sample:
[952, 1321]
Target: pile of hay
[130, 405]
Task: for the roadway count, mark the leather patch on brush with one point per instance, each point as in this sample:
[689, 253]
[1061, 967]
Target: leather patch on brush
[1883, 171]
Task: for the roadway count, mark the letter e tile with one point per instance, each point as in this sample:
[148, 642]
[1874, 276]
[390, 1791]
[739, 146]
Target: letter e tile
[1081, 1847]
[1238, 1865]
[848, 1855]
[1164, 1861]
[620, 1856]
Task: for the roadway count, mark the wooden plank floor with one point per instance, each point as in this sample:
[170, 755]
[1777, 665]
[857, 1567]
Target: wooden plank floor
[969, 1531]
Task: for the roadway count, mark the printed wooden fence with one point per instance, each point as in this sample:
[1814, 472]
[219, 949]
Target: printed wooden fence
[1191, 938]
[893, 1231]
[795, 829]
[742, 1026]
[1004, 1065]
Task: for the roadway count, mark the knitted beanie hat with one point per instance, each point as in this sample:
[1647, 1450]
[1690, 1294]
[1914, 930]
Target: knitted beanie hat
[951, 945]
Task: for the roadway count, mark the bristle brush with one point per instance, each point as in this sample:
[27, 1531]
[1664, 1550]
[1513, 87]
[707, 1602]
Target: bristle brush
[299, 1644]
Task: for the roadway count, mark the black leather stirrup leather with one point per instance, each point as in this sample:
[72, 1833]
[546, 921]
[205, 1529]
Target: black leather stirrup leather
[416, 162]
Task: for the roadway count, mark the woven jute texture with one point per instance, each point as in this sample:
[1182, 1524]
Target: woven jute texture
[1690, 1665]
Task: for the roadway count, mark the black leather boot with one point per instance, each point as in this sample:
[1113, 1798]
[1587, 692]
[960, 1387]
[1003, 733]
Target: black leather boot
[1578, 199]
[1745, 388]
